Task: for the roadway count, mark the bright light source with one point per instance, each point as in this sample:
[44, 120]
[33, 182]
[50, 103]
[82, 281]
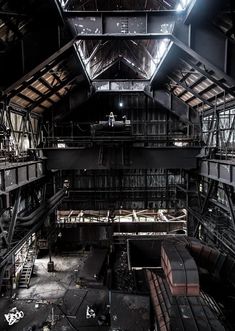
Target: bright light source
[120, 104]
[61, 145]
[162, 47]
[179, 7]
[183, 5]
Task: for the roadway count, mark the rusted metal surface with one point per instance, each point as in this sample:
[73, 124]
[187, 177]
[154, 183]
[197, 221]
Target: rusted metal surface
[180, 270]
[206, 257]
[179, 312]
[159, 305]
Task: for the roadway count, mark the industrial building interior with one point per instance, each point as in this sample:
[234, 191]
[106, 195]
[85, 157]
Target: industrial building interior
[117, 165]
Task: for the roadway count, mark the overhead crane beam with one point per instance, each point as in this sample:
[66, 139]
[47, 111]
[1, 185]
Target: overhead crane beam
[139, 158]
[122, 24]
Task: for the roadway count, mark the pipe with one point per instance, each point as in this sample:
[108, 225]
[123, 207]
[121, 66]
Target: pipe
[36, 226]
[41, 208]
[221, 265]
[43, 213]
[206, 257]
[46, 210]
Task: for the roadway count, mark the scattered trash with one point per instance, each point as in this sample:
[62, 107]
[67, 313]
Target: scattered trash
[14, 316]
[52, 318]
[42, 302]
[46, 328]
[90, 312]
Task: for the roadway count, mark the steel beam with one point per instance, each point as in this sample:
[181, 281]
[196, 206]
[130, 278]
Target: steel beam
[168, 140]
[122, 190]
[122, 24]
[15, 175]
[24, 97]
[54, 89]
[211, 188]
[168, 52]
[192, 91]
[212, 54]
[211, 229]
[207, 74]
[123, 227]
[121, 13]
[12, 14]
[18, 87]
[41, 66]
[211, 44]
[222, 171]
[49, 86]
[197, 55]
[194, 84]
[140, 158]
[14, 216]
[122, 86]
[176, 106]
[229, 196]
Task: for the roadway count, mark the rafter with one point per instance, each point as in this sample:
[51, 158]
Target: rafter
[193, 92]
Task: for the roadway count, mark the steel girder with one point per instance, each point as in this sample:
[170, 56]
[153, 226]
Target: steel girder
[222, 171]
[122, 24]
[120, 86]
[176, 106]
[82, 230]
[205, 44]
[42, 68]
[211, 229]
[184, 37]
[192, 91]
[14, 216]
[15, 175]
[230, 198]
[212, 49]
[55, 89]
[32, 75]
[139, 158]
[216, 218]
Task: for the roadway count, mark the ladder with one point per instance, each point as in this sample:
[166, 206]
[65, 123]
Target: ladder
[27, 269]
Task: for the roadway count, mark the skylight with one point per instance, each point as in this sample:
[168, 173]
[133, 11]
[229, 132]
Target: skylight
[64, 3]
[141, 56]
[127, 57]
[183, 4]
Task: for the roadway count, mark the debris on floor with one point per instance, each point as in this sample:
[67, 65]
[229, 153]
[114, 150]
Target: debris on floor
[14, 316]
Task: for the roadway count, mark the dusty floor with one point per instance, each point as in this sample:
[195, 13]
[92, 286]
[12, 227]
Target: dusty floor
[53, 285]
[57, 291]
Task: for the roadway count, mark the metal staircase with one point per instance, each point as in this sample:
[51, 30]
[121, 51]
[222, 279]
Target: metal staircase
[27, 270]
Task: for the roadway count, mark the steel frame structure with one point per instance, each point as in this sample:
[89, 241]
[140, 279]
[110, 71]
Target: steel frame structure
[203, 51]
[122, 24]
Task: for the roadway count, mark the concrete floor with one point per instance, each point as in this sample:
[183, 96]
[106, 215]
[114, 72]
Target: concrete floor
[52, 285]
[57, 290]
